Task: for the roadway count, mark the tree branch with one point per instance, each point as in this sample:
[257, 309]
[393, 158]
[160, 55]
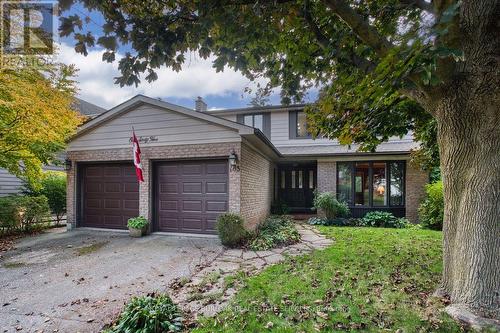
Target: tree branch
[422, 4]
[360, 26]
[323, 41]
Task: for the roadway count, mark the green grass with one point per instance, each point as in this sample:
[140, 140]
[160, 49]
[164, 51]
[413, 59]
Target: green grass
[370, 280]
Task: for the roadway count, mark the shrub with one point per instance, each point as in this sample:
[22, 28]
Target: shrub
[24, 213]
[154, 313]
[273, 232]
[137, 222]
[383, 219]
[329, 204]
[431, 210]
[231, 230]
[53, 186]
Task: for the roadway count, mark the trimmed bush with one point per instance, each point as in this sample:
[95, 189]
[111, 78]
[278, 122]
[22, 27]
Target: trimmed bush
[24, 213]
[231, 230]
[275, 231]
[327, 202]
[154, 313]
[431, 210]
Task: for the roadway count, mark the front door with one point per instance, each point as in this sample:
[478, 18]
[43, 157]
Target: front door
[297, 183]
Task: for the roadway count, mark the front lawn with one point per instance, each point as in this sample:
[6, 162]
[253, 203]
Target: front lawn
[369, 280]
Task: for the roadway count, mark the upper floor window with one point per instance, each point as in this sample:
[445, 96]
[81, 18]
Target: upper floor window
[262, 121]
[254, 120]
[298, 125]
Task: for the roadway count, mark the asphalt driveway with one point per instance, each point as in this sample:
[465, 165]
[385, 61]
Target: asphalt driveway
[78, 281]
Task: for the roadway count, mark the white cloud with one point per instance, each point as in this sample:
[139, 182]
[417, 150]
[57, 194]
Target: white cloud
[197, 78]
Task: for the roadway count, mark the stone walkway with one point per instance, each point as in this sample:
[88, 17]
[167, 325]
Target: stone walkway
[209, 290]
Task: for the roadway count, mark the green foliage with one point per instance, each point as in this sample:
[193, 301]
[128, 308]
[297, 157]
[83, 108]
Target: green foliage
[53, 187]
[371, 219]
[23, 213]
[383, 220]
[279, 207]
[327, 202]
[137, 222]
[343, 48]
[154, 313]
[369, 280]
[431, 210]
[36, 118]
[275, 231]
[231, 229]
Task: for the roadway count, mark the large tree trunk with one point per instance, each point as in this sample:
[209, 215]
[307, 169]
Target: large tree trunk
[469, 140]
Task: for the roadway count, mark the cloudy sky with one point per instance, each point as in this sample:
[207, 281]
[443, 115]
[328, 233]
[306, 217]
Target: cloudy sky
[197, 78]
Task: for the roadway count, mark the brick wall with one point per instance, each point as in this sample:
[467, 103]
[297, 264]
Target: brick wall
[257, 174]
[327, 177]
[149, 154]
[415, 190]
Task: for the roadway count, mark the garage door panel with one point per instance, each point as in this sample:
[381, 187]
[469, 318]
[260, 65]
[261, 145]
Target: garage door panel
[199, 196]
[192, 169]
[216, 206]
[110, 195]
[192, 187]
[213, 187]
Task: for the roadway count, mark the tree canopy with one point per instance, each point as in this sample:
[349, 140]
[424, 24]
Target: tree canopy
[395, 49]
[36, 118]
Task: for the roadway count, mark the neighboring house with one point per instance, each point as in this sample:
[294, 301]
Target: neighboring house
[198, 164]
[10, 184]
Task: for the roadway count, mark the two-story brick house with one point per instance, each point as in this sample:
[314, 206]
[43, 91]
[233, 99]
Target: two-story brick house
[199, 163]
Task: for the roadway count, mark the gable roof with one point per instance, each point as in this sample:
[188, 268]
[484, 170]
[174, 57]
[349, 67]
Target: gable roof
[87, 109]
[248, 132]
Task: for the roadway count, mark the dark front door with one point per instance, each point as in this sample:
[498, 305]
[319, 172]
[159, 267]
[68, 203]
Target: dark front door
[110, 195]
[297, 183]
[190, 195]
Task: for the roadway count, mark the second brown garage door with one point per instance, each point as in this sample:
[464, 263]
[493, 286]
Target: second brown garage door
[190, 195]
[110, 195]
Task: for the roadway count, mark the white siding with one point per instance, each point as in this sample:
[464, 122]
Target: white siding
[280, 137]
[170, 127]
[280, 134]
[9, 184]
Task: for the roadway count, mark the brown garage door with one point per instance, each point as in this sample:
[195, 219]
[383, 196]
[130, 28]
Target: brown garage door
[190, 195]
[110, 195]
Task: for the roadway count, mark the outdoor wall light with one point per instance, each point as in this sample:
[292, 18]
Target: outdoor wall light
[233, 161]
[67, 164]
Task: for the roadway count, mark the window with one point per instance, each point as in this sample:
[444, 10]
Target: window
[254, 120]
[311, 179]
[283, 179]
[300, 179]
[293, 179]
[344, 182]
[396, 171]
[371, 184]
[298, 125]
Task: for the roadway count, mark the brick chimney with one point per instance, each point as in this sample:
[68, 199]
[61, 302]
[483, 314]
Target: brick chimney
[200, 105]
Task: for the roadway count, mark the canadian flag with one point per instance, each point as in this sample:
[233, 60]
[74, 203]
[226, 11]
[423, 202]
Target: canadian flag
[137, 158]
